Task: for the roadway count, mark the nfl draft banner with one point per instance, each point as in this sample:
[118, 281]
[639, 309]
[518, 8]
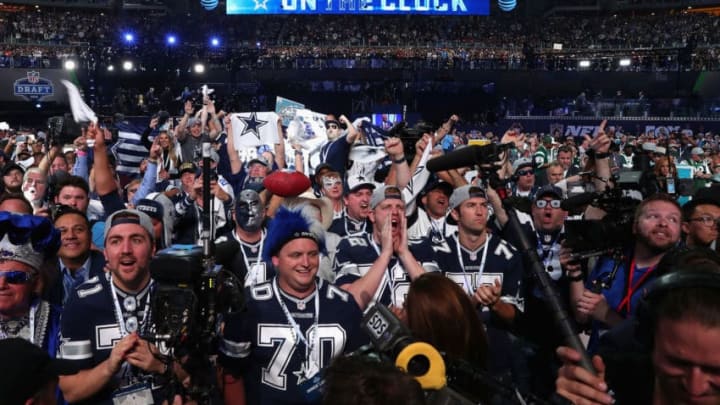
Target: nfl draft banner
[427, 7]
[33, 85]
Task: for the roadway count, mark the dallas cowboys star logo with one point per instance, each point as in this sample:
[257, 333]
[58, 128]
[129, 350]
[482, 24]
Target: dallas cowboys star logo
[252, 125]
[261, 4]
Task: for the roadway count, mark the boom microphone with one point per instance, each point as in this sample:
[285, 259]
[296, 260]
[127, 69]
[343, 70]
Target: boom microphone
[467, 156]
[578, 201]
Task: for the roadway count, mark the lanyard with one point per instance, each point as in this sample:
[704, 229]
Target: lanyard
[546, 255]
[118, 310]
[462, 264]
[251, 271]
[347, 231]
[296, 328]
[388, 274]
[632, 288]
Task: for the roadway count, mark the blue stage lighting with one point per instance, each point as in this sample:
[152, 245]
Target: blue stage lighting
[129, 37]
[215, 41]
[171, 39]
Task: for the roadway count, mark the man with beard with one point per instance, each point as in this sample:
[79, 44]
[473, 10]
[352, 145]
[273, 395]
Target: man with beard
[241, 251]
[378, 265]
[12, 177]
[106, 316]
[657, 230]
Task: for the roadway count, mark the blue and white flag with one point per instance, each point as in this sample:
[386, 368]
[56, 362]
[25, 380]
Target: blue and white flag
[374, 134]
[255, 128]
[129, 150]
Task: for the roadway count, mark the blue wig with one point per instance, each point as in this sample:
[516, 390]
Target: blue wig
[289, 224]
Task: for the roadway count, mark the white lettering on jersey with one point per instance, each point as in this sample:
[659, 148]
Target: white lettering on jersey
[106, 336]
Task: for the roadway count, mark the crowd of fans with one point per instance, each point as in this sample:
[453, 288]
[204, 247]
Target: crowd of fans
[318, 235]
[657, 42]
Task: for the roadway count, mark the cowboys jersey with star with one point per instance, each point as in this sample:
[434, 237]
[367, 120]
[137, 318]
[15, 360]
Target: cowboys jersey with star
[90, 330]
[502, 262]
[261, 345]
[356, 254]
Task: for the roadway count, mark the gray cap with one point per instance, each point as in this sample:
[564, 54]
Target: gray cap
[260, 159]
[385, 192]
[129, 216]
[466, 192]
[697, 151]
[522, 162]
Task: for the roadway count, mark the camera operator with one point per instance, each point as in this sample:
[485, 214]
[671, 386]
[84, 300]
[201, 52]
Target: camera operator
[606, 298]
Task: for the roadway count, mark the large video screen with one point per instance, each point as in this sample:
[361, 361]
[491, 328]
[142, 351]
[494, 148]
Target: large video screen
[422, 7]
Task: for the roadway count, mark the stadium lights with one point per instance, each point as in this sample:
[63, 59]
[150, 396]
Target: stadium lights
[171, 39]
[70, 65]
[110, 68]
[199, 68]
[129, 37]
[584, 64]
[625, 62]
[215, 41]
[127, 65]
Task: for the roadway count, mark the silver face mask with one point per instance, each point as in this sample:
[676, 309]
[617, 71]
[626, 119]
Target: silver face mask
[249, 211]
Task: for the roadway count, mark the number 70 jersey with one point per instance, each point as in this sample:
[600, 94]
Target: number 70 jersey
[262, 346]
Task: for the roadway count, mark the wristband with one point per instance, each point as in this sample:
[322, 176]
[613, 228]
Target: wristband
[298, 152]
[81, 153]
[399, 160]
[602, 155]
[577, 278]
[152, 160]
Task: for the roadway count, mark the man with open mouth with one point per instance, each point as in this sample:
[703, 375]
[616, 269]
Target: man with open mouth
[379, 265]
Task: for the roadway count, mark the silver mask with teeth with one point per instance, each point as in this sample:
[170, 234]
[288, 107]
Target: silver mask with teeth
[249, 211]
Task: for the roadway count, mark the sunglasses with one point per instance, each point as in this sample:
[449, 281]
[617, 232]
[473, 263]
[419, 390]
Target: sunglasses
[544, 203]
[331, 126]
[525, 172]
[16, 276]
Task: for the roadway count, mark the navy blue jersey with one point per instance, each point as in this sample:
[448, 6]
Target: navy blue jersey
[502, 262]
[90, 330]
[356, 254]
[261, 344]
[243, 259]
[346, 226]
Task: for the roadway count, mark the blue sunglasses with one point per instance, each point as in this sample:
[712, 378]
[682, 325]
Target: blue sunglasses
[16, 276]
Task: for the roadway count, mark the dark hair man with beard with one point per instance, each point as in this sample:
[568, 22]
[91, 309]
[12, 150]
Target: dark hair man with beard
[657, 230]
